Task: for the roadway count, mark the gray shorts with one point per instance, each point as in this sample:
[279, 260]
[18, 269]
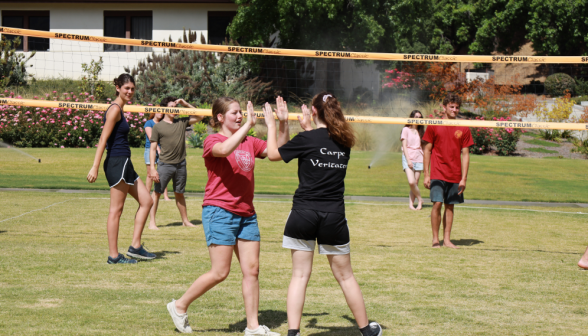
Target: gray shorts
[175, 172]
[446, 192]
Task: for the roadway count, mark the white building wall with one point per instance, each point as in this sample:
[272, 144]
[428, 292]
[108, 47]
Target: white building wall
[65, 58]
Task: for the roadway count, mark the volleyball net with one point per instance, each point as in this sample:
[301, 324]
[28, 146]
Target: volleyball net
[70, 71]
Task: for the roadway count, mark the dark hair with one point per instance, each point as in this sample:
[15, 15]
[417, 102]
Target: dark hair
[329, 111]
[167, 100]
[420, 128]
[122, 80]
[452, 98]
[220, 106]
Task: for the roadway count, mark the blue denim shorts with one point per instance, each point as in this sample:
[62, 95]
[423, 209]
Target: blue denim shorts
[222, 227]
[416, 166]
[147, 158]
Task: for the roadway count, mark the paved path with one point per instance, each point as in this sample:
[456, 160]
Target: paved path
[350, 198]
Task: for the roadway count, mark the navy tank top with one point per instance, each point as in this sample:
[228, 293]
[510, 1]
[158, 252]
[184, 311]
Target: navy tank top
[118, 141]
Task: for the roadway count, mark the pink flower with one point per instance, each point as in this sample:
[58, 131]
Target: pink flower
[85, 130]
[80, 138]
[62, 147]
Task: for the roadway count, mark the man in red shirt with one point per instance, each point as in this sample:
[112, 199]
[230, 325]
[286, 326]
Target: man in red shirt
[447, 151]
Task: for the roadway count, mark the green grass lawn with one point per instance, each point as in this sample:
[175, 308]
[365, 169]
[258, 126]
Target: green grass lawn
[540, 150]
[544, 143]
[514, 274]
[490, 177]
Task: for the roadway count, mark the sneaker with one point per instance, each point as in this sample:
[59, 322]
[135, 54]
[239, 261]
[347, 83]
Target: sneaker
[120, 260]
[180, 320]
[375, 329]
[261, 330]
[140, 253]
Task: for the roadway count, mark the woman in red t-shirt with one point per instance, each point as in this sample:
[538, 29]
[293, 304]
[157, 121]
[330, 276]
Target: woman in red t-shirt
[228, 217]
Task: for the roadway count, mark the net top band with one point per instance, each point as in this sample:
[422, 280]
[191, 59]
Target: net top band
[298, 52]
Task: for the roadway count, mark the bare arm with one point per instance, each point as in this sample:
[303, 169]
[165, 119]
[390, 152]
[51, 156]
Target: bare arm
[405, 151]
[112, 117]
[282, 113]
[152, 155]
[193, 118]
[465, 166]
[224, 149]
[272, 146]
[426, 163]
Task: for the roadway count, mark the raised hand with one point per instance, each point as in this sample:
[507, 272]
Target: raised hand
[282, 109]
[305, 120]
[268, 115]
[251, 117]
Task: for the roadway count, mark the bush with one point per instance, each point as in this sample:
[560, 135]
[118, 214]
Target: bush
[578, 100]
[197, 77]
[581, 87]
[196, 140]
[13, 69]
[506, 140]
[24, 126]
[580, 146]
[559, 84]
[482, 137]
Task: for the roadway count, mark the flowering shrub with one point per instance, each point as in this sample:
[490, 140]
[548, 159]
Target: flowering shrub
[504, 139]
[398, 79]
[25, 126]
[482, 137]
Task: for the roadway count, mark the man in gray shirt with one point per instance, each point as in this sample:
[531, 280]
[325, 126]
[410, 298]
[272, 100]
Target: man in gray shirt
[170, 132]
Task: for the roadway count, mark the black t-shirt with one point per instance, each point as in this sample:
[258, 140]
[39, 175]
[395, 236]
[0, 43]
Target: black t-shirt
[322, 165]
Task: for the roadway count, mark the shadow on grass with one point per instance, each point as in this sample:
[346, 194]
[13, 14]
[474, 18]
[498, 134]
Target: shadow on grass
[271, 318]
[465, 242]
[194, 221]
[3, 231]
[162, 254]
[335, 331]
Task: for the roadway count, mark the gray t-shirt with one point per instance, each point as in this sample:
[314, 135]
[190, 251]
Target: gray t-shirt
[172, 139]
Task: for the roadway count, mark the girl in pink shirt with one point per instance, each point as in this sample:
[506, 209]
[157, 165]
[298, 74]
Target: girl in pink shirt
[412, 158]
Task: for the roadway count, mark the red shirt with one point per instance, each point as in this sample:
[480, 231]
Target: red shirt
[446, 154]
[230, 179]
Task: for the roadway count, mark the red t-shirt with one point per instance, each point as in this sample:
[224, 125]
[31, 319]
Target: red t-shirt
[446, 154]
[230, 179]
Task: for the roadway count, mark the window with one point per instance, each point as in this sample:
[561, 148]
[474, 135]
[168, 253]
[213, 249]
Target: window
[135, 25]
[217, 26]
[37, 20]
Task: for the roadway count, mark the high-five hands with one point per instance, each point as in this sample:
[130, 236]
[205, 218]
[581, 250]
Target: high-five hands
[251, 117]
[305, 122]
[282, 109]
[268, 116]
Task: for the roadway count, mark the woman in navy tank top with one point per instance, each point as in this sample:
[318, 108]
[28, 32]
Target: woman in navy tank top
[121, 175]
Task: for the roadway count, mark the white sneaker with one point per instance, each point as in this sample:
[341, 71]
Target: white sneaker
[180, 320]
[261, 330]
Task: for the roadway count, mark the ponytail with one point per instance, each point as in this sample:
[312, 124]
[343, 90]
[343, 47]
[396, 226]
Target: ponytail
[329, 111]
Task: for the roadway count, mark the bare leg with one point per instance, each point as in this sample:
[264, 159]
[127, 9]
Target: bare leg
[247, 252]
[436, 222]
[181, 204]
[148, 180]
[413, 182]
[447, 223]
[301, 270]
[166, 196]
[141, 194]
[220, 260]
[584, 260]
[341, 267]
[118, 195]
[417, 175]
[155, 197]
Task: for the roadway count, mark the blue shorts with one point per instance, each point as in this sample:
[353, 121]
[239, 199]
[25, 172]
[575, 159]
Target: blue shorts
[446, 192]
[416, 166]
[147, 158]
[222, 227]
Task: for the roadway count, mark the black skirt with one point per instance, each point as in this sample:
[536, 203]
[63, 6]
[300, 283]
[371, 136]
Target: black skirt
[119, 168]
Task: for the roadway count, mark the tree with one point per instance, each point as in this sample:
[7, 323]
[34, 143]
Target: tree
[556, 27]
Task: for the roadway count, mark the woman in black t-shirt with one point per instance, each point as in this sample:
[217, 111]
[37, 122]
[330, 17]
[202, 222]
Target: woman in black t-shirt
[318, 210]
